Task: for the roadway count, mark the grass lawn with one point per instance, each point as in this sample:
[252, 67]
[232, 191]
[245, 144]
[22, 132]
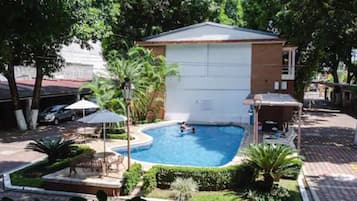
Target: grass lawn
[291, 185]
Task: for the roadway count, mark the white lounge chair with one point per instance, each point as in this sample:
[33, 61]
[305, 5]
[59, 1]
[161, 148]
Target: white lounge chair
[287, 140]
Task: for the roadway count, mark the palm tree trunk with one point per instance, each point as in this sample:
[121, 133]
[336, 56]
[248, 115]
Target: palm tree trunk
[268, 182]
[19, 114]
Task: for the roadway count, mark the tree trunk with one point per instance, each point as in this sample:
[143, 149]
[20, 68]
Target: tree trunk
[268, 182]
[335, 76]
[337, 89]
[19, 114]
[36, 96]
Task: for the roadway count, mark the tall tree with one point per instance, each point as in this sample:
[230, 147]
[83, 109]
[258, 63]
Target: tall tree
[51, 25]
[324, 31]
[231, 13]
[140, 18]
[260, 14]
[13, 50]
[34, 33]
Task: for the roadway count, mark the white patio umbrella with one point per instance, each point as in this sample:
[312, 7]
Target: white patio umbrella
[103, 116]
[82, 105]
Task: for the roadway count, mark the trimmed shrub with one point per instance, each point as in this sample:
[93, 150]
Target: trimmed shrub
[132, 178]
[149, 180]
[208, 179]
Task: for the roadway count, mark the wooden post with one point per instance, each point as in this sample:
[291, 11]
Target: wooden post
[299, 130]
[104, 167]
[255, 125]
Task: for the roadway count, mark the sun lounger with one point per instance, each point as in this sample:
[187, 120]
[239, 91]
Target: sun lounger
[287, 140]
[93, 132]
[78, 139]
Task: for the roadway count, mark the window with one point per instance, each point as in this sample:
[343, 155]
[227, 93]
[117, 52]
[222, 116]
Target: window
[284, 85]
[285, 58]
[276, 85]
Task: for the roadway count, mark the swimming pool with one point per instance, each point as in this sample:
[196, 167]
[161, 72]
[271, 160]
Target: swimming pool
[209, 146]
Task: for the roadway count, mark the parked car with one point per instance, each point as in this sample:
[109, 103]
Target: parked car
[56, 113]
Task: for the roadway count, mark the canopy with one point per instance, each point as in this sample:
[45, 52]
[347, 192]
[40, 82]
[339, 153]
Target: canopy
[82, 105]
[103, 116]
[272, 99]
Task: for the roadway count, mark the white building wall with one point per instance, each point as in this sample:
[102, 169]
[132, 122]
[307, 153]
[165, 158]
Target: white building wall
[80, 64]
[74, 54]
[214, 80]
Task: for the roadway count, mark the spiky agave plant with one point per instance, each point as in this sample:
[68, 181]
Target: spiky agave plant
[54, 148]
[273, 161]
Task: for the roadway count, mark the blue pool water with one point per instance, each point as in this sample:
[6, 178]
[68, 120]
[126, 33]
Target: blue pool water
[209, 146]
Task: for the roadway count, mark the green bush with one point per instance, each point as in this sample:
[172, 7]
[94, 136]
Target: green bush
[115, 130]
[149, 180]
[123, 136]
[208, 179]
[276, 194]
[31, 175]
[132, 178]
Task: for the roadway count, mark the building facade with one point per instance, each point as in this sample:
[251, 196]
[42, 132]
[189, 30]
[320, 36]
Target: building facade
[219, 67]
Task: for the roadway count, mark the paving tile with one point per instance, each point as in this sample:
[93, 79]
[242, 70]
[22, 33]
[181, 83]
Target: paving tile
[330, 160]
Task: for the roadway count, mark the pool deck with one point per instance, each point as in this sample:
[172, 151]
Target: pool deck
[141, 139]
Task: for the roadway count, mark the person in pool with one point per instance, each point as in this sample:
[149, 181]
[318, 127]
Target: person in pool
[185, 127]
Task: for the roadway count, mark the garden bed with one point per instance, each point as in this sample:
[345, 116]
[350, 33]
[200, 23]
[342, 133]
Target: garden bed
[32, 175]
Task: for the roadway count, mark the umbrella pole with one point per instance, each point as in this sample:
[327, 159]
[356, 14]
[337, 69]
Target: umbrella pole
[84, 113]
[105, 164]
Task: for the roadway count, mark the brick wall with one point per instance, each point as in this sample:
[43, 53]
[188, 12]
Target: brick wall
[266, 67]
[157, 50]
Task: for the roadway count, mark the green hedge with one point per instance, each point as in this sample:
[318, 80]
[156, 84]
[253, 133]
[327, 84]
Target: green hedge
[31, 175]
[132, 178]
[208, 179]
[149, 180]
[123, 136]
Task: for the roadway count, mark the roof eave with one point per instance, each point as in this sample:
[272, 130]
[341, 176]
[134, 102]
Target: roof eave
[157, 43]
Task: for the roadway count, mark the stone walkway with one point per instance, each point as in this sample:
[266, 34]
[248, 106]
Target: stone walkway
[330, 164]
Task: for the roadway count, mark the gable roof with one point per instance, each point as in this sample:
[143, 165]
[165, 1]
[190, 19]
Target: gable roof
[210, 32]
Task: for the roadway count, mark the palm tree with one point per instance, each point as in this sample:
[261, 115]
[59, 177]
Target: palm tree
[146, 72]
[273, 161]
[55, 148]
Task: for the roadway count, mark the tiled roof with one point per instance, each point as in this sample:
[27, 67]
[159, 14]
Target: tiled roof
[50, 88]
